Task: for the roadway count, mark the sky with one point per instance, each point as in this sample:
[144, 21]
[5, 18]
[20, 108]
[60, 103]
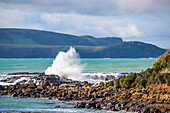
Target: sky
[132, 20]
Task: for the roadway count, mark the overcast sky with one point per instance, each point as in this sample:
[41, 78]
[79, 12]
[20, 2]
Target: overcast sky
[133, 20]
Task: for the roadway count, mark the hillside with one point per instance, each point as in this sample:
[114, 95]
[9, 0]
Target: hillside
[37, 37]
[26, 43]
[159, 73]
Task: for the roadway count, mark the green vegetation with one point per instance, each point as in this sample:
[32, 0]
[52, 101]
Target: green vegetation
[159, 73]
[101, 84]
[117, 86]
[111, 83]
[37, 37]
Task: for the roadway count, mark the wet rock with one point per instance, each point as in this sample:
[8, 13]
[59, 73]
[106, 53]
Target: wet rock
[32, 85]
[155, 110]
[57, 107]
[90, 105]
[80, 105]
[145, 110]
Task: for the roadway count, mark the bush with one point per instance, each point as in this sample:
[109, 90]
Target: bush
[127, 80]
[152, 76]
[162, 78]
[133, 84]
[111, 83]
[101, 84]
[142, 82]
[117, 86]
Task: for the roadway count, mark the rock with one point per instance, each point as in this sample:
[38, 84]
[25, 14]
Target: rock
[92, 99]
[15, 95]
[40, 87]
[32, 85]
[90, 105]
[57, 107]
[145, 110]
[118, 106]
[80, 105]
[1, 87]
[52, 79]
[98, 106]
[155, 110]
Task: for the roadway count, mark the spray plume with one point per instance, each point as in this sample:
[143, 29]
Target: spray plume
[66, 64]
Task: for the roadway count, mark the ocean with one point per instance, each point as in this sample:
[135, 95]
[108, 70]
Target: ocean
[96, 65]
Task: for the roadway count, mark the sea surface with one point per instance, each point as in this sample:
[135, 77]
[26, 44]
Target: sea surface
[9, 104]
[97, 65]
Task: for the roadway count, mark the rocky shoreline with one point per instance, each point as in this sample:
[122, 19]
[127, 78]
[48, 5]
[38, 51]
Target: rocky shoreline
[152, 99]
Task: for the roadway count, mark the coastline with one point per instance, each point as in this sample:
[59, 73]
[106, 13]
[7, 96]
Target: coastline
[99, 96]
[144, 92]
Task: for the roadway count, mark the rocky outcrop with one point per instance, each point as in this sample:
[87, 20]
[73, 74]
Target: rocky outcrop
[155, 97]
[26, 78]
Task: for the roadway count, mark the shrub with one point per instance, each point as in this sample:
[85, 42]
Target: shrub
[111, 83]
[101, 84]
[133, 84]
[142, 82]
[128, 79]
[117, 86]
[152, 76]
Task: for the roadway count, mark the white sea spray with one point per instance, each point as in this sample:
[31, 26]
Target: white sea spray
[66, 64]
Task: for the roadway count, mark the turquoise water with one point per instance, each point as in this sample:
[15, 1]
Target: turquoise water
[41, 105]
[90, 65]
[40, 65]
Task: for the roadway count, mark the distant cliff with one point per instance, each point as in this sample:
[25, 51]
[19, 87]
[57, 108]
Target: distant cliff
[27, 43]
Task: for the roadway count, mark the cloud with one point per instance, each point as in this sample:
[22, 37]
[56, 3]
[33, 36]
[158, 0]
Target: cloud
[129, 31]
[92, 25]
[89, 7]
[130, 19]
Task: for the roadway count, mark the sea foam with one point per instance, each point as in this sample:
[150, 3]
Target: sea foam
[66, 65]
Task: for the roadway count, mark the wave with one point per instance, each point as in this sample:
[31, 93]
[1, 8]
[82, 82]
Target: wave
[89, 77]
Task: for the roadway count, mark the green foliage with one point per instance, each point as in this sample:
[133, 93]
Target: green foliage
[157, 74]
[151, 77]
[133, 84]
[162, 62]
[126, 81]
[142, 82]
[111, 83]
[36, 37]
[101, 84]
[117, 86]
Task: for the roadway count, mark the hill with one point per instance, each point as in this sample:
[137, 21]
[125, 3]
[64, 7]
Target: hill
[37, 37]
[27, 43]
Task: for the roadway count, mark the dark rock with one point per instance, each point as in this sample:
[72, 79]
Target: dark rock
[80, 105]
[92, 99]
[155, 110]
[57, 107]
[32, 85]
[90, 105]
[98, 106]
[145, 110]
